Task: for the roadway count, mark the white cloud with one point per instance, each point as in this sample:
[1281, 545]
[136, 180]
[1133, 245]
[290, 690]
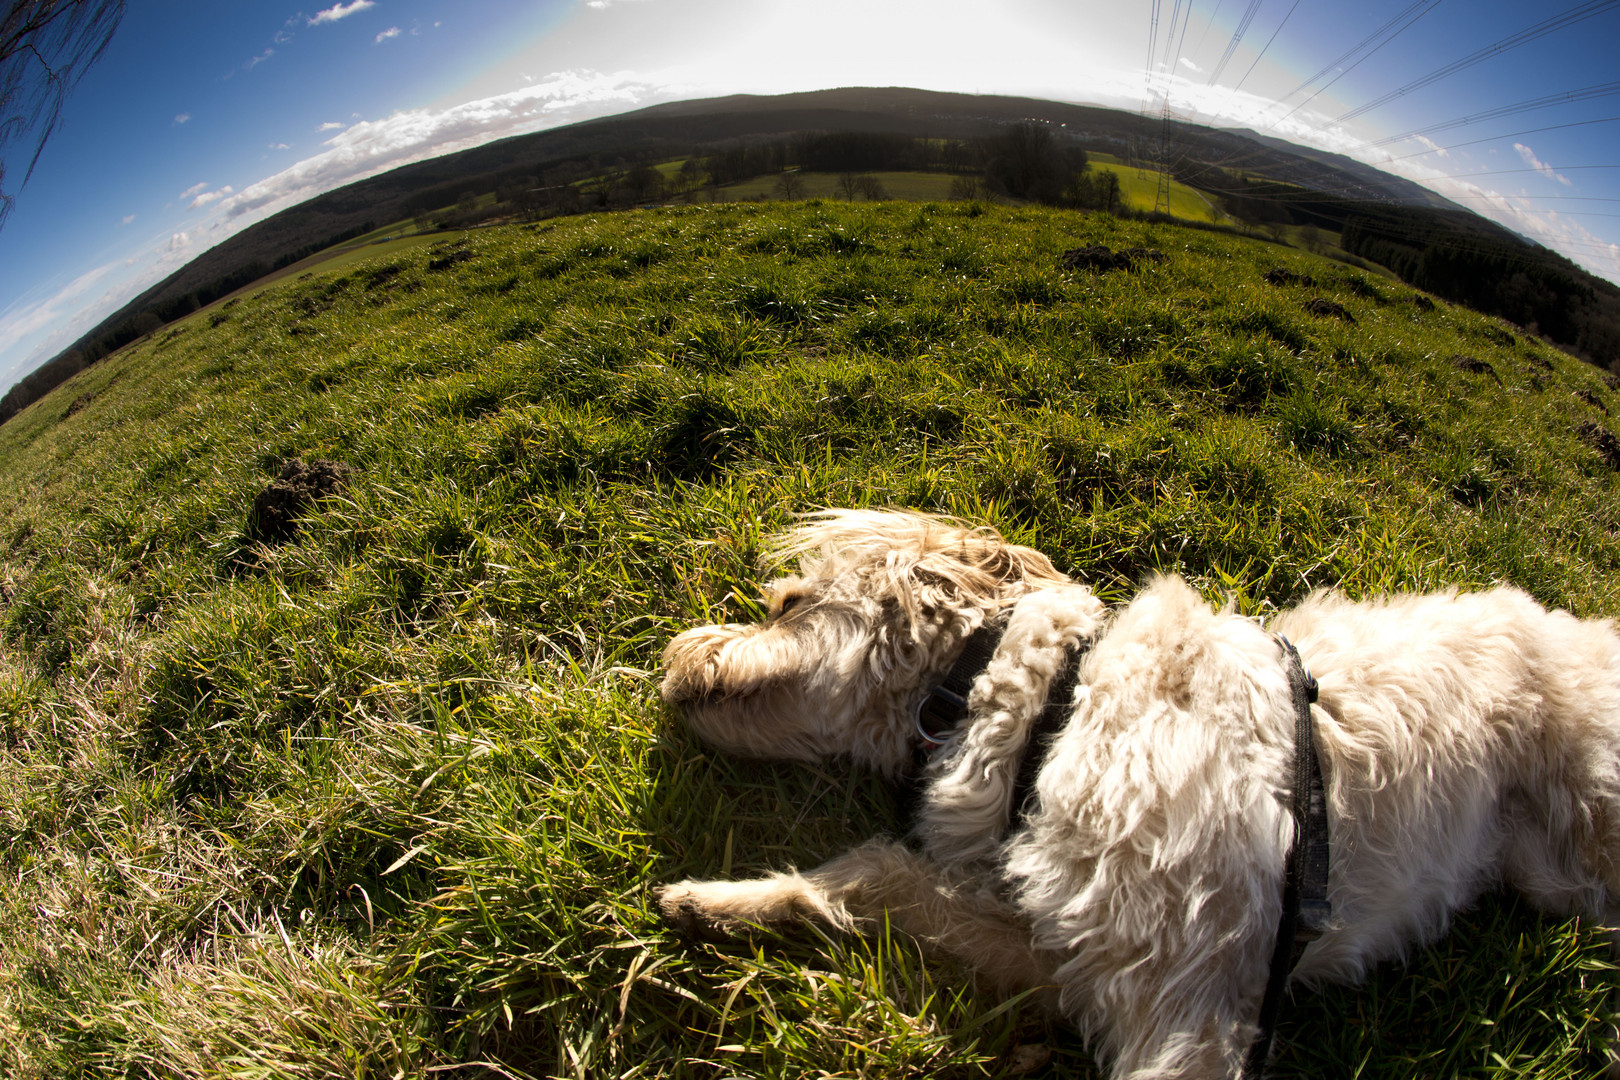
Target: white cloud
[1431, 146]
[331, 125]
[1523, 215]
[179, 242]
[181, 118]
[279, 146]
[17, 324]
[210, 196]
[127, 219]
[257, 60]
[1190, 66]
[1540, 166]
[340, 11]
[391, 32]
[372, 146]
[193, 189]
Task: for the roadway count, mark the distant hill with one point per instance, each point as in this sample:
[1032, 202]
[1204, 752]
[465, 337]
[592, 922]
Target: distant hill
[1396, 189]
[1260, 180]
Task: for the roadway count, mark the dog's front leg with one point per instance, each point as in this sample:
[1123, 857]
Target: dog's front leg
[947, 911]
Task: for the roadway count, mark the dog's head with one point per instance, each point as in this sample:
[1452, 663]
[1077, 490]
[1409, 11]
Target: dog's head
[878, 611]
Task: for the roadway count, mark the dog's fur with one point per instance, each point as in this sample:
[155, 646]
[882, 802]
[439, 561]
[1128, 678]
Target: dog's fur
[1466, 739]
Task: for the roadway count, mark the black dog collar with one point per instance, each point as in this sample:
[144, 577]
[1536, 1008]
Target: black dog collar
[945, 706]
[1306, 909]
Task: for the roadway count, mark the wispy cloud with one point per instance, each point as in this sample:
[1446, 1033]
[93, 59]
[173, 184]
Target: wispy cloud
[181, 118]
[279, 146]
[127, 219]
[193, 189]
[1540, 166]
[371, 146]
[391, 32]
[340, 11]
[1431, 145]
[257, 60]
[331, 125]
[209, 197]
[22, 321]
[599, 5]
[1190, 66]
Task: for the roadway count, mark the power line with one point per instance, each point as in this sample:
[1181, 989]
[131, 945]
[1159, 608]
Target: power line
[1185, 23]
[1391, 30]
[1153, 44]
[1499, 172]
[1199, 48]
[1257, 59]
[1584, 94]
[1362, 44]
[1161, 196]
[1512, 41]
[1496, 138]
[1237, 38]
[1542, 198]
[1517, 217]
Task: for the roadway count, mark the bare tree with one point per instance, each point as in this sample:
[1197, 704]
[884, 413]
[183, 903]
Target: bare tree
[46, 46]
[871, 188]
[848, 187]
[964, 188]
[790, 185]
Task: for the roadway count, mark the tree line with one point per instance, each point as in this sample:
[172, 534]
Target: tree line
[88, 350]
[1541, 291]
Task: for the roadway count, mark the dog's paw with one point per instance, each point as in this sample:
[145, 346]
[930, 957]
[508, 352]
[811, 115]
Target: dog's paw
[683, 907]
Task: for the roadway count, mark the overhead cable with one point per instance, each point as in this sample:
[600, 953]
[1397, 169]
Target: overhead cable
[1512, 41]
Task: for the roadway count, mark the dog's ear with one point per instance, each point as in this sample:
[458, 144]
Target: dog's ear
[923, 560]
[982, 567]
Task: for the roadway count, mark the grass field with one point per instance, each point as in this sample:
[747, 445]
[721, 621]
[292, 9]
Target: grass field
[390, 799]
[382, 244]
[1140, 190]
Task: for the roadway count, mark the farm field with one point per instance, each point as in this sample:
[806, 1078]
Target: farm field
[905, 186]
[383, 243]
[1140, 189]
[389, 795]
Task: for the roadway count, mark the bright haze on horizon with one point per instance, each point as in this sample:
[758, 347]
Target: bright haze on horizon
[203, 118]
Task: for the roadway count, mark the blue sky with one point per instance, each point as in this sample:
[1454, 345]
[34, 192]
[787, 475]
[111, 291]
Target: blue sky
[204, 117]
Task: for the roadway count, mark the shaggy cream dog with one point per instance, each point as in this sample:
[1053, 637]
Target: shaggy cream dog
[1466, 740]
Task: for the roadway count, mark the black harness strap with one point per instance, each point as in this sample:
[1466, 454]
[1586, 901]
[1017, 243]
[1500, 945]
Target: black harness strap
[946, 704]
[1059, 699]
[1306, 909]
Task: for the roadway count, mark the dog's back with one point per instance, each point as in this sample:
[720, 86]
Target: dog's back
[1468, 739]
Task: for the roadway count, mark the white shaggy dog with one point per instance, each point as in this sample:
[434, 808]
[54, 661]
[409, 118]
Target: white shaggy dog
[1466, 740]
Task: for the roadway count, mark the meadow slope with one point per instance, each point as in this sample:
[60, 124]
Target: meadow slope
[389, 798]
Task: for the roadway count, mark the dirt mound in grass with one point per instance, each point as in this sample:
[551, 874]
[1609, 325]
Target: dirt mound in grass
[274, 516]
[1284, 276]
[1603, 441]
[1474, 366]
[1326, 308]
